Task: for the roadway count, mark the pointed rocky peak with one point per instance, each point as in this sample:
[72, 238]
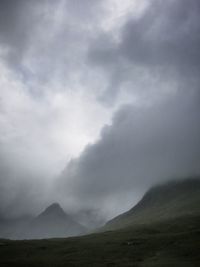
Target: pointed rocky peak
[53, 207]
[53, 222]
[54, 210]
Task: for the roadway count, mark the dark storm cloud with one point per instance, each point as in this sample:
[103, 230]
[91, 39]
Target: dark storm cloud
[166, 35]
[165, 40]
[10, 18]
[19, 23]
[145, 143]
[17, 20]
[41, 38]
[142, 147]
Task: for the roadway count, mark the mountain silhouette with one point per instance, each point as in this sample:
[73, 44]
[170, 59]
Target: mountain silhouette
[53, 222]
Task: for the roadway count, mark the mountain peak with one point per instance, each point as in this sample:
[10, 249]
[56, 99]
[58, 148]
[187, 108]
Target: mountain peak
[54, 222]
[53, 207]
[54, 210]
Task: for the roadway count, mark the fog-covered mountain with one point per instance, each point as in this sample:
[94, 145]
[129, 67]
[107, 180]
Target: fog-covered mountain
[52, 222]
[174, 199]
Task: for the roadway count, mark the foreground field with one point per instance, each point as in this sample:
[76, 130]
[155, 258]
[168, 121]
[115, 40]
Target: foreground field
[173, 243]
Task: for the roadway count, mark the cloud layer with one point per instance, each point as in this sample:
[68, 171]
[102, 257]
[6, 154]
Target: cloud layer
[156, 62]
[68, 69]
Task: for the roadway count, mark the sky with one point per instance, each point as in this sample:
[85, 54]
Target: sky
[99, 100]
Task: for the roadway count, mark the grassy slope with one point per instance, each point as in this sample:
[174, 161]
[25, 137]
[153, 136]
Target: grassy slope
[161, 230]
[168, 201]
[173, 243]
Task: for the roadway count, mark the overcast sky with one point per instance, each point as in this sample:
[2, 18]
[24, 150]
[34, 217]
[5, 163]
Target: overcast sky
[99, 100]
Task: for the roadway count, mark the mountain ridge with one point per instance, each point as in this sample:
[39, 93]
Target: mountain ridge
[172, 199]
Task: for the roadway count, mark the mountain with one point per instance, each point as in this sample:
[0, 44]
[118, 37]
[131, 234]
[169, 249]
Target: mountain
[175, 199]
[53, 222]
[164, 232]
[171, 242]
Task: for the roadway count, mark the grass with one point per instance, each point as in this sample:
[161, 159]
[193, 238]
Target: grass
[162, 202]
[171, 243]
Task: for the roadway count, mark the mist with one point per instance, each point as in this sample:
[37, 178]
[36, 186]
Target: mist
[99, 101]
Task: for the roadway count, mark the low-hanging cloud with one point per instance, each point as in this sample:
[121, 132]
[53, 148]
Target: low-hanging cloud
[142, 147]
[162, 45]
[157, 137]
[66, 70]
[45, 97]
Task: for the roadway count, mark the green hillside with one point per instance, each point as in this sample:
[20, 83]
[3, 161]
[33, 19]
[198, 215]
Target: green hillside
[173, 243]
[162, 230]
[163, 202]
